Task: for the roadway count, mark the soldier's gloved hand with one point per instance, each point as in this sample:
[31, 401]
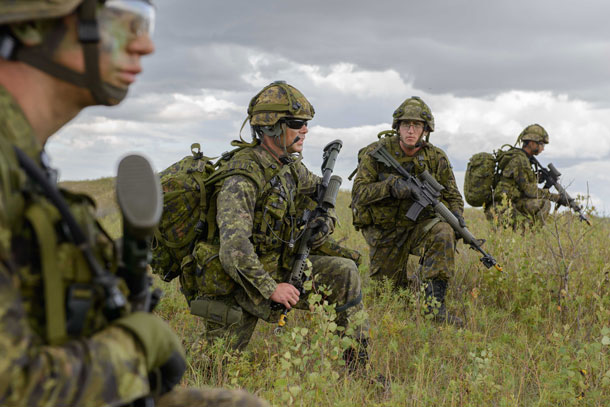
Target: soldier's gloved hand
[563, 200]
[460, 218]
[164, 354]
[399, 188]
[322, 227]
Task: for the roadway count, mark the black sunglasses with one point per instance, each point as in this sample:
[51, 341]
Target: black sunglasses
[295, 124]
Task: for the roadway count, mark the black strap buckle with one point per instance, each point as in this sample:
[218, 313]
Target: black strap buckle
[88, 31]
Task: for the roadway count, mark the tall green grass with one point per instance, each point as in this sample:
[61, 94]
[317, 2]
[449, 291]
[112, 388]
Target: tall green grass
[537, 334]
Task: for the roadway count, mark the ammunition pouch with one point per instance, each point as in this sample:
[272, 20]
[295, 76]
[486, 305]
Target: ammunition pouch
[217, 312]
[202, 273]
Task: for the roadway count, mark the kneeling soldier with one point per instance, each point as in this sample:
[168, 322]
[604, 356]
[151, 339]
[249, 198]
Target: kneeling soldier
[381, 199]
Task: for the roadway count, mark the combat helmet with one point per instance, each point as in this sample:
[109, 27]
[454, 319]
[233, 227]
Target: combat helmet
[278, 100]
[19, 11]
[534, 132]
[89, 35]
[413, 109]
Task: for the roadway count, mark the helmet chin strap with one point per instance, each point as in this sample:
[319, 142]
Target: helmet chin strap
[40, 57]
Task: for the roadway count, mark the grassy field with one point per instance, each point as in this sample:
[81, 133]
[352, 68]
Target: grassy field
[537, 334]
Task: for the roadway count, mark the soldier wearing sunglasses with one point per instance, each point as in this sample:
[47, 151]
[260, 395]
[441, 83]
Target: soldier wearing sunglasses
[61, 342]
[381, 199]
[264, 189]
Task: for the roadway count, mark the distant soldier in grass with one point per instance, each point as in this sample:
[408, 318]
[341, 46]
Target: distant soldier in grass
[381, 198]
[62, 341]
[518, 181]
[262, 190]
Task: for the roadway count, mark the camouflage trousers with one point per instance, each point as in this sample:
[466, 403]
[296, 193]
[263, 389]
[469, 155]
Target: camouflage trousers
[337, 273]
[433, 241]
[181, 397]
[524, 211]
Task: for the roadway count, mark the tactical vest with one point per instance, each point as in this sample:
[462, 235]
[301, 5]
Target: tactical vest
[507, 185]
[60, 301]
[390, 212]
[274, 225]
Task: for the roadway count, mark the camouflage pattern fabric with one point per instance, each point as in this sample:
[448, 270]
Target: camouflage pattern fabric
[389, 234]
[257, 222]
[390, 250]
[209, 397]
[338, 273]
[519, 184]
[76, 372]
[278, 100]
[103, 366]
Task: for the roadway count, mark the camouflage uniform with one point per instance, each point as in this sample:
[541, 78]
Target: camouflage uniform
[58, 346]
[389, 234]
[259, 203]
[518, 182]
[43, 362]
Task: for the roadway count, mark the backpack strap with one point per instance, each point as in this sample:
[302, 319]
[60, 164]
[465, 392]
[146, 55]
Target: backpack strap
[55, 311]
[244, 170]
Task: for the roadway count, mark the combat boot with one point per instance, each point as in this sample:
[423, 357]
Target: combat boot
[356, 359]
[356, 362]
[436, 290]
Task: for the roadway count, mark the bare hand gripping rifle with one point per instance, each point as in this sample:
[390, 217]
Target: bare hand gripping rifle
[428, 190]
[550, 177]
[326, 197]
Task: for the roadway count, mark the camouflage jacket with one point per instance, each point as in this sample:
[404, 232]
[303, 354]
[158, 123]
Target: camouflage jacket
[44, 361]
[517, 178]
[259, 206]
[372, 203]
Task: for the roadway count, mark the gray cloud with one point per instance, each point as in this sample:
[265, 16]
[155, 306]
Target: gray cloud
[463, 47]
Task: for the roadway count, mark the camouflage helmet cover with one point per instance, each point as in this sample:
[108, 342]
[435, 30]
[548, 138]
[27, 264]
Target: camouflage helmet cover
[12, 11]
[413, 109]
[534, 132]
[278, 100]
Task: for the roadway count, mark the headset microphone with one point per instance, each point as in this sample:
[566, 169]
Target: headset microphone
[296, 139]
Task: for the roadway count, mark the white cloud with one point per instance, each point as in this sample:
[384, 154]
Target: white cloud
[187, 107]
[577, 129]
[348, 79]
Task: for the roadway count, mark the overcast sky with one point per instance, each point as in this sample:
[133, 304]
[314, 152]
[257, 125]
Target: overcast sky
[486, 68]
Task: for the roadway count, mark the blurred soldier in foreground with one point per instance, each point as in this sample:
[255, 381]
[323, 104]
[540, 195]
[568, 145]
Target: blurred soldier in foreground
[262, 189]
[381, 199]
[66, 337]
[518, 181]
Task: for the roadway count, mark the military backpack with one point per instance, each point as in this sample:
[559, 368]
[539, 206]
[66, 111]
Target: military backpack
[185, 212]
[482, 175]
[479, 180]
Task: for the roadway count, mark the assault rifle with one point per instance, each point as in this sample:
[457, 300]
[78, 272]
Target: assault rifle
[428, 190]
[326, 197]
[550, 177]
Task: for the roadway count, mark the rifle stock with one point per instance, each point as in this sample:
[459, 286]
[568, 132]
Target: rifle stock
[139, 197]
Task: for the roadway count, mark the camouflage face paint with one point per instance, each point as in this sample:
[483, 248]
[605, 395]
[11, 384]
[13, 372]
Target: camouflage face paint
[122, 21]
